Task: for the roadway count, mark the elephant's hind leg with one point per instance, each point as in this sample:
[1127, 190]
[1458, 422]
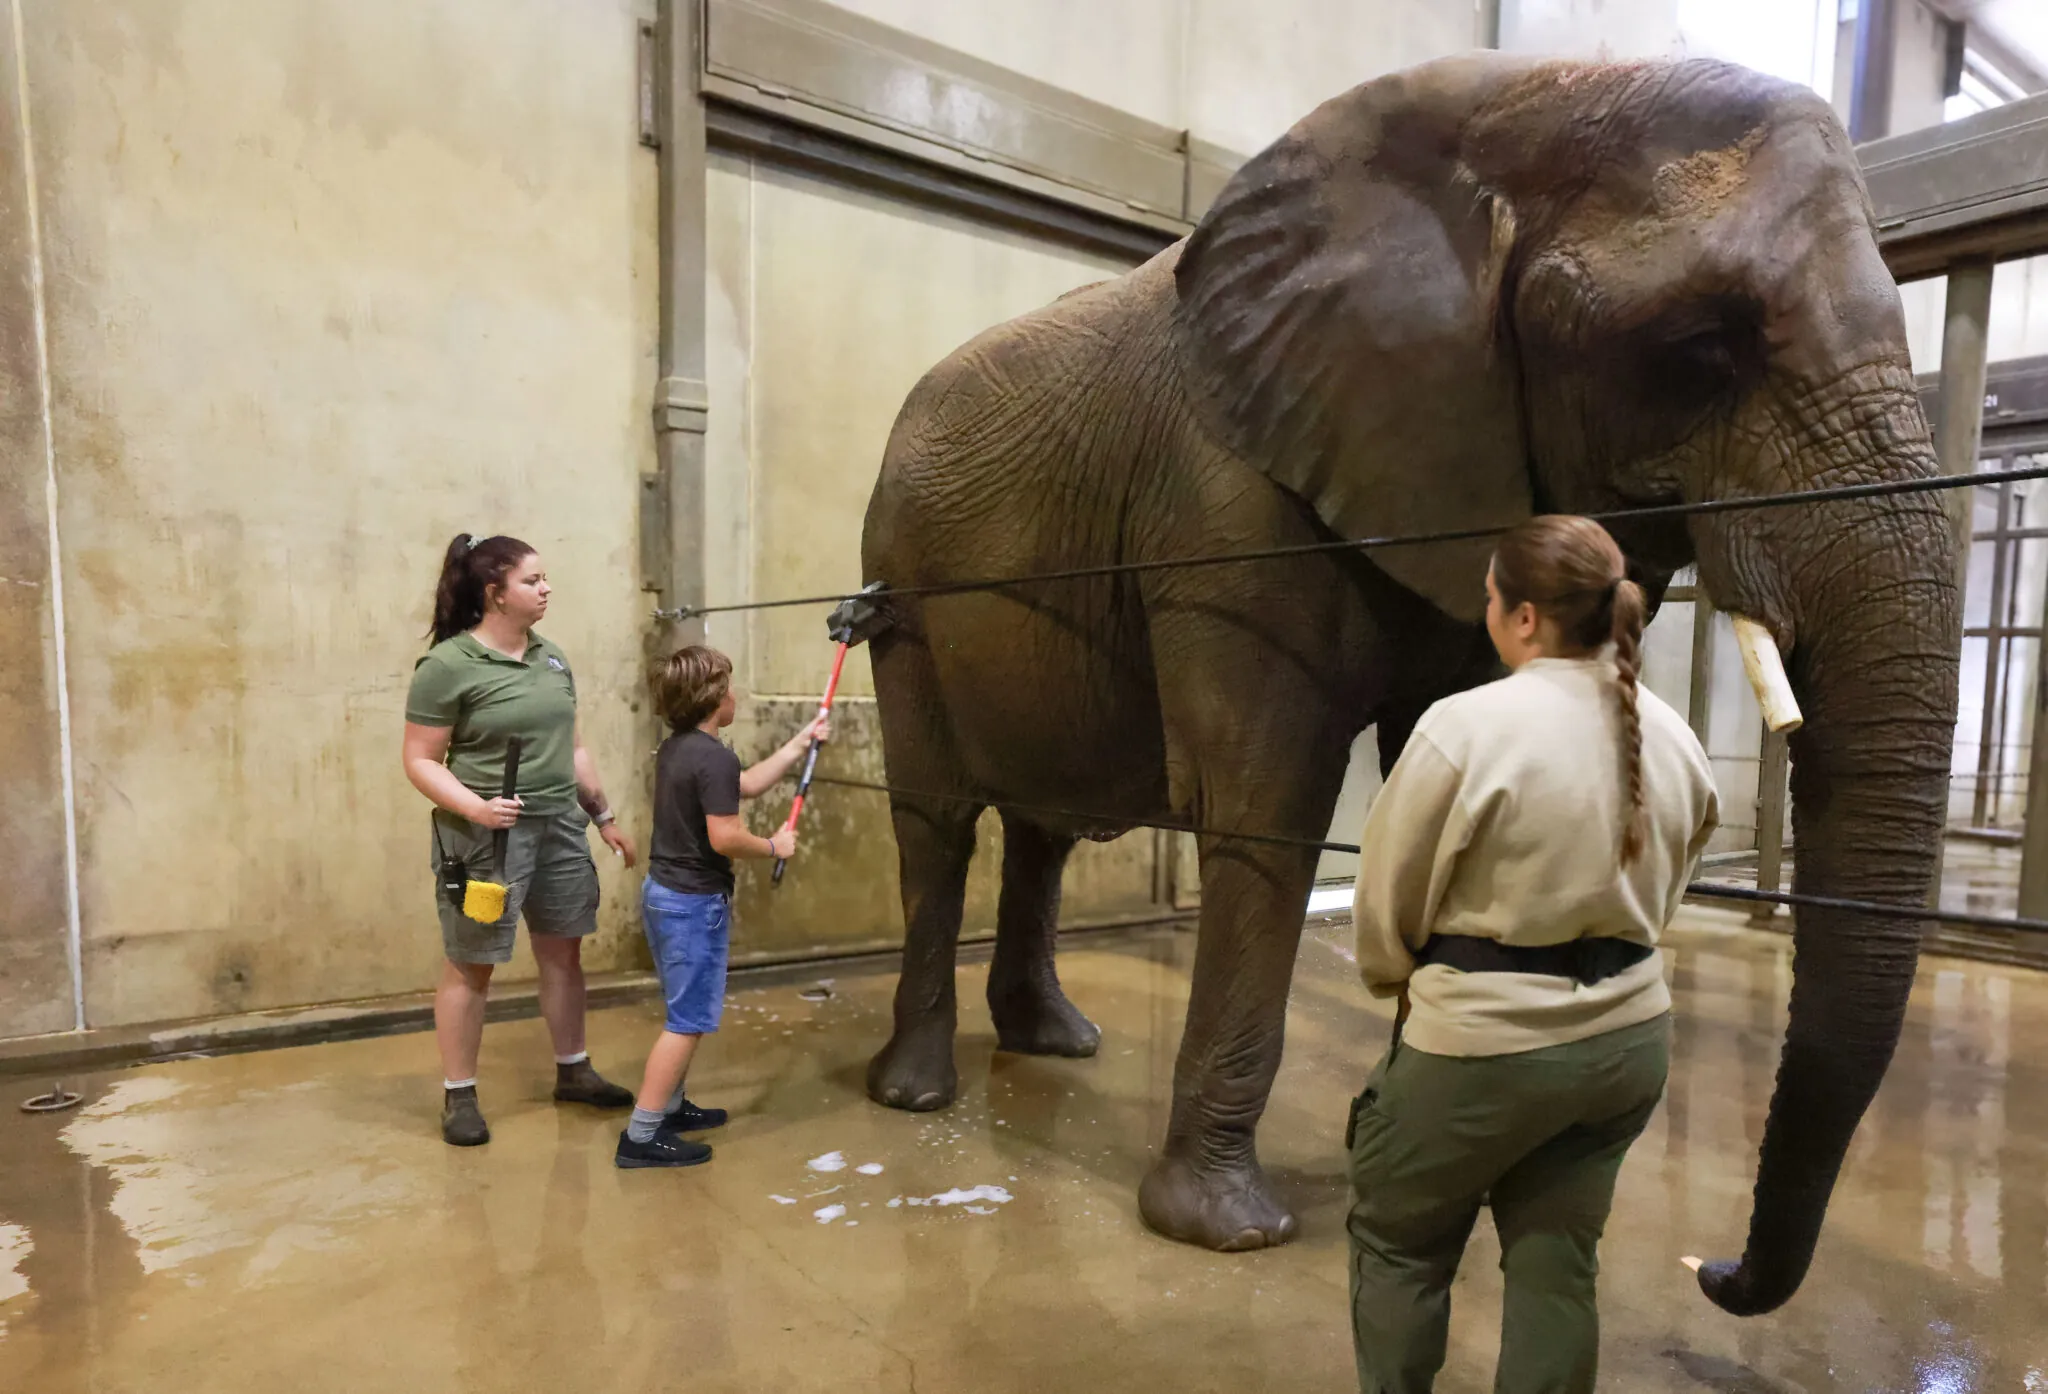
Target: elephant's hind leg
[934, 843]
[1032, 1014]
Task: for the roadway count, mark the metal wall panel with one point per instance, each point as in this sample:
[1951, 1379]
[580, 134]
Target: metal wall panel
[1972, 188]
[1209, 169]
[822, 56]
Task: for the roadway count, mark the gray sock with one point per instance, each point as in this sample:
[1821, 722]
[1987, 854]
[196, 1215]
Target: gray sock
[675, 1100]
[641, 1129]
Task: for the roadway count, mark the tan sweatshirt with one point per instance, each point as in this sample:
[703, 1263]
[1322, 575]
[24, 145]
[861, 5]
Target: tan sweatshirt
[1503, 819]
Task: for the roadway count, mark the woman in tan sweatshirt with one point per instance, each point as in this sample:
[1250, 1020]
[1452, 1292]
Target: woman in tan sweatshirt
[1533, 840]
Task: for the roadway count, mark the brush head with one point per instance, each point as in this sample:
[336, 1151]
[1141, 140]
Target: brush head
[484, 901]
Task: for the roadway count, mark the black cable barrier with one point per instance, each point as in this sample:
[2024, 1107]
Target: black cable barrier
[1705, 890]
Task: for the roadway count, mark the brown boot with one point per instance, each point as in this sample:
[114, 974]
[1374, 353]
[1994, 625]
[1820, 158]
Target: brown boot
[462, 1122]
[580, 1084]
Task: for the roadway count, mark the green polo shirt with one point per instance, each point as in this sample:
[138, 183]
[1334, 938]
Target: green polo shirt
[486, 699]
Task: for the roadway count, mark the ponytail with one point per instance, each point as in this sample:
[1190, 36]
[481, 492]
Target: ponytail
[469, 568]
[1573, 573]
[1626, 631]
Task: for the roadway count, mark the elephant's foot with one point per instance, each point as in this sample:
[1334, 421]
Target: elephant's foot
[1229, 1209]
[1042, 1022]
[915, 1070]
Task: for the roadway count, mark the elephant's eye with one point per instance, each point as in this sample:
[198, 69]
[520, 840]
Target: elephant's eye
[1710, 356]
[1708, 350]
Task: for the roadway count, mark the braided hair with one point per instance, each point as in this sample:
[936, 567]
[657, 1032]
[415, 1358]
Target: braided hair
[1570, 569]
[471, 566]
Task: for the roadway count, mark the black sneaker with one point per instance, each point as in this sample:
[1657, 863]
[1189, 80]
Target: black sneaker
[688, 1118]
[462, 1122]
[662, 1150]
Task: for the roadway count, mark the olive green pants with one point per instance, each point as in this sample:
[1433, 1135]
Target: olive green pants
[1540, 1137]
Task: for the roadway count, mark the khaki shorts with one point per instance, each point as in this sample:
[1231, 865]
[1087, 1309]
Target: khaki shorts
[549, 877]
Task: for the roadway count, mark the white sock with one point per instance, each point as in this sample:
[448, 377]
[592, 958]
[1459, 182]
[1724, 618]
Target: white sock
[459, 1083]
[578, 1058]
[675, 1100]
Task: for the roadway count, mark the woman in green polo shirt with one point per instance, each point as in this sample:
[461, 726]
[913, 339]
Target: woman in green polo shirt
[489, 678]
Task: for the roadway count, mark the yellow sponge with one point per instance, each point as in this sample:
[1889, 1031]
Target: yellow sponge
[484, 901]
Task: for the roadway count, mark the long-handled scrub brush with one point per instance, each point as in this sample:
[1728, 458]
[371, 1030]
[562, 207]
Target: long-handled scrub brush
[484, 901]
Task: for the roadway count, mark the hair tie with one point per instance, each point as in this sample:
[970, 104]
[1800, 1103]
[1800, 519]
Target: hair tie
[469, 542]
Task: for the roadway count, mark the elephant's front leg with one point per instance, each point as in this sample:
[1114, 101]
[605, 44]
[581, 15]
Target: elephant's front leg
[1207, 1187]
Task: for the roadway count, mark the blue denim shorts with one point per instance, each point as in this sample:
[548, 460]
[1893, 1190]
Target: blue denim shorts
[691, 936]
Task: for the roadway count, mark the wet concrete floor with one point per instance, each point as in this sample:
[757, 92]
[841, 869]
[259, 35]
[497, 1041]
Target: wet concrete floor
[291, 1220]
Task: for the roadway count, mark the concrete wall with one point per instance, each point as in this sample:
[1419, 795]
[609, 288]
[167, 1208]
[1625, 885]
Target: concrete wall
[1230, 73]
[826, 305]
[35, 921]
[1255, 70]
[328, 283]
[1628, 29]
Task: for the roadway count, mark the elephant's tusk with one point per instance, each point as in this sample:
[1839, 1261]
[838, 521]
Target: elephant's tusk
[1766, 670]
[1690, 1262]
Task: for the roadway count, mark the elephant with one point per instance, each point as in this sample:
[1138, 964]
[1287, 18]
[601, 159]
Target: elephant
[1450, 298]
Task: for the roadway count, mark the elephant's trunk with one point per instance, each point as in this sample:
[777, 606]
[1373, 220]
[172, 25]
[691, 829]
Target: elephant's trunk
[1876, 619]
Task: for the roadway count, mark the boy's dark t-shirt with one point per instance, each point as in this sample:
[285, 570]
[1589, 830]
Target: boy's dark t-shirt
[695, 775]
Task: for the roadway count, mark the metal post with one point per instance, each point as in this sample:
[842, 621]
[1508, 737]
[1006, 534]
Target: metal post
[1870, 81]
[2034, 831]
[1700, 695]
[1486, 20]
[1959, 411]
[1994, 657]
[681, 406]
[1770, 820]
[2006, 665]
[1959, 424]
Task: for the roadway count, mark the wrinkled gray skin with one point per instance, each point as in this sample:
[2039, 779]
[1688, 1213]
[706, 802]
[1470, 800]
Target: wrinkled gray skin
[1448, 298]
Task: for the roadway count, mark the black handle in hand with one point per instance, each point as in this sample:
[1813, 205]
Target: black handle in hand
[803, 787]
[511, 790]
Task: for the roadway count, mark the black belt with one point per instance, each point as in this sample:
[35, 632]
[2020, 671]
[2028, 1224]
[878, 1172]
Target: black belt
[1585, 961]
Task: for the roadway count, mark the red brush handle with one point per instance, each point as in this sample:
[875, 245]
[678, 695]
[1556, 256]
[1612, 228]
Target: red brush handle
[803, 787]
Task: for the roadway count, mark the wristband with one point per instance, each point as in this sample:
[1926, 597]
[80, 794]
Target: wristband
[605, 818]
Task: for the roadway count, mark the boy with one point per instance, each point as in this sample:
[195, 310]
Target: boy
[686, 900]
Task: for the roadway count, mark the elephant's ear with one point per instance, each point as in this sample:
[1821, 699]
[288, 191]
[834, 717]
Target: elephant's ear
[1340, 310]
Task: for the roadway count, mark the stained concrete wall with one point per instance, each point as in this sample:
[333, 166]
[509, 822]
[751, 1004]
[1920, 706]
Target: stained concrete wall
[35, 972]
[328, 283]
[826, 305]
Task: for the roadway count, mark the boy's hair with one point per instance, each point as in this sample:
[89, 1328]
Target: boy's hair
[690, 683]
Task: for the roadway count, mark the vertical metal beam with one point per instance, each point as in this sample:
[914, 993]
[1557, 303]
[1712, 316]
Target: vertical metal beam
[1699, 700]
[1870, 82]
[1486, 20]
[2006, 665]
[681, 405]
[1770, 819]
[1994, 658]
[2034, 832]
[1959, 424]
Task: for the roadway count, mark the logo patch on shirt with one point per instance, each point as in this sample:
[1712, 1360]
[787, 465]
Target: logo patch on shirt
[556, 664]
